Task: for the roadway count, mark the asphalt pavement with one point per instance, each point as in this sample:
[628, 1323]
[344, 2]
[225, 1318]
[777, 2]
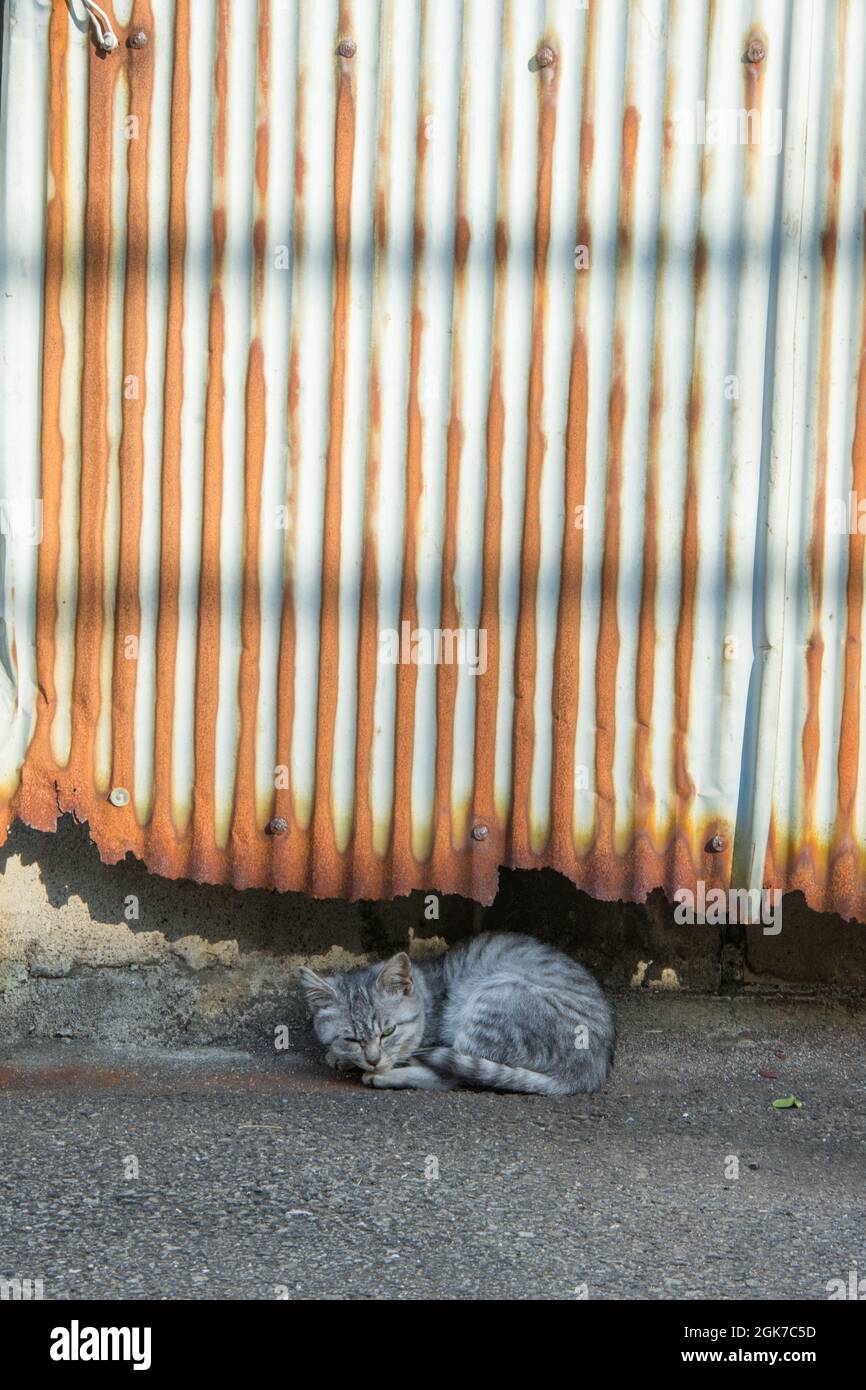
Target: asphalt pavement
[220, 1174]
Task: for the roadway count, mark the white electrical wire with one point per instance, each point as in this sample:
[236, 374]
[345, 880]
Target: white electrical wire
[106, 39]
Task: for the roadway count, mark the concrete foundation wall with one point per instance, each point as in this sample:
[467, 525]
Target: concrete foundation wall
[114, 954]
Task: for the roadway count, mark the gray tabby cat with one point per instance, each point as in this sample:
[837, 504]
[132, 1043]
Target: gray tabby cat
[502, 1012]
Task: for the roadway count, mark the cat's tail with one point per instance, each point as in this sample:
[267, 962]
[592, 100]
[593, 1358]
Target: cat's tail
[494, 1076]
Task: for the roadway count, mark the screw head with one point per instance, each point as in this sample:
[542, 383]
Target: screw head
[480, 832]
[347, 48]
[138, 39]
[545, 56]
[717, 844]
[278, 826]
[755, 53]
[119, 796]
[108, 42]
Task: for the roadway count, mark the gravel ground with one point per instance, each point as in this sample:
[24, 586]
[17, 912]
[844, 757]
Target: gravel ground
[217, 1174]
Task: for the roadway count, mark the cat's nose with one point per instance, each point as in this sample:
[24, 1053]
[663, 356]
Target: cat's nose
[372, 1055]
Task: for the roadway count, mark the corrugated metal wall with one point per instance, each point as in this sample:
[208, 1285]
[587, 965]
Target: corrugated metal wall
[321, 319]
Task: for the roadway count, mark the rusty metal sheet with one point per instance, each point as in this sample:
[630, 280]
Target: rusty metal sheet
[331, 327]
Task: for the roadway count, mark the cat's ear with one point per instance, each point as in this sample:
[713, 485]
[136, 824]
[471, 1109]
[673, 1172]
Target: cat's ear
[395, 977]
[318, 992]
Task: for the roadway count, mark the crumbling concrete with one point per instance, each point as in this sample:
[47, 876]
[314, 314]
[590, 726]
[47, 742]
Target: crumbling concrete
[114, 954]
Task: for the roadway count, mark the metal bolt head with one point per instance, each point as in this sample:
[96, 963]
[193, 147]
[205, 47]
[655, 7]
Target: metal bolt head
[347, 48]
[755, 52]
[278, 826]
[138, 39]
[480, 832]
[119, 796]
[108, 41]
[717, 844]
[545, 56]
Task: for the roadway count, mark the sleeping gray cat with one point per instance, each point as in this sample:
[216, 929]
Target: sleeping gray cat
[502, 1012]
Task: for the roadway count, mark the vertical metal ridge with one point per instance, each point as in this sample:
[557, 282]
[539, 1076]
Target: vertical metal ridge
[56, 273]
[91, 712]
[326, 871]
[521, 844]
[247, 847]
[238, 504]
[391, 410]
[207, 858]
[127, 753]
[566, 662]
[156, 272]
[164, 822]
[343, 790]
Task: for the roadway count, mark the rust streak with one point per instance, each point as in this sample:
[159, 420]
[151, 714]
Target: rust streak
[37, 802]
[328, 866]
[607, 651]
[520, 846]
[206, 857]
[76, 786]
[249, 852]
[845, 873]
[402, 862]
[685, 633]
[123, 828]
[755, 45]
[566, 672]
[164, 835]
[289, 851]
[447, 837]
[484, 805]
[811, 734]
